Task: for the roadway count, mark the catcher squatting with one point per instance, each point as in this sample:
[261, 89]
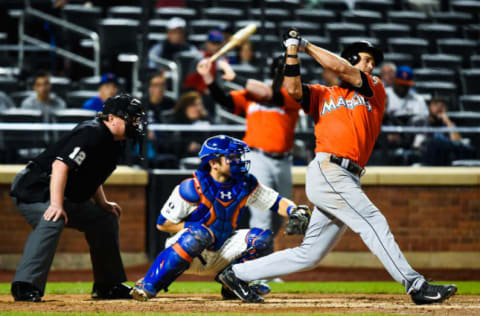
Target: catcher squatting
[203, 213]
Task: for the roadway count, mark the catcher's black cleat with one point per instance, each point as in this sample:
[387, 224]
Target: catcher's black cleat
[240, 288]
[430, 294]
[111, 292]
[228, 295]
[25, 292]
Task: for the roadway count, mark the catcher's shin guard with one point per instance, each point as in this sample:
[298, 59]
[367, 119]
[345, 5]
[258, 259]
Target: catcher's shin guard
[259, 244]
[174, 260]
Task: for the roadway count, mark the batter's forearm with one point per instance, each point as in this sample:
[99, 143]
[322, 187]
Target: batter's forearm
[293, 84]
[58, 181]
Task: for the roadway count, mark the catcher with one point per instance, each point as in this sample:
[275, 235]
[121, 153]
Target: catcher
[202, 213]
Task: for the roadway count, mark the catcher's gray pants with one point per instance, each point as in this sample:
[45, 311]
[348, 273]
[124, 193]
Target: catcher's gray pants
[276, 174]
[339, 202]
[101, 231]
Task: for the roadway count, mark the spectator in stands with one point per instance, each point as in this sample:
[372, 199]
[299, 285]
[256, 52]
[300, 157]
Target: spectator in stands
[440, 149]
[403, 102]
[245, 54]
[387, 73]
[5, 101]
[174, 43]
[211, 46]
[108, 88]
[188, 110]
[158, 105]
[43, 99]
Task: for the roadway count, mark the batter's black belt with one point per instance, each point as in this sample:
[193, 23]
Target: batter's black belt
[348, 165]
[278, 156]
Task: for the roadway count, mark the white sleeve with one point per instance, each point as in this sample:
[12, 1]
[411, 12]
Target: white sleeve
[176, 209]
[262, 197]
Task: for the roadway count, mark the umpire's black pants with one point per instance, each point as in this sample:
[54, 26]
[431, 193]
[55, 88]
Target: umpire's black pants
[101, 231]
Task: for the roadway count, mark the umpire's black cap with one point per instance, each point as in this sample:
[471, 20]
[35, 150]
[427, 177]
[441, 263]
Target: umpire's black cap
[363, 46]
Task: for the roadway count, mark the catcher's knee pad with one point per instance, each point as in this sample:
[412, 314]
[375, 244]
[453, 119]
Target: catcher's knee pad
[259, 243]
[174, 260]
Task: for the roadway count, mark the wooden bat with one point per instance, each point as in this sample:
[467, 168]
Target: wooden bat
[236, 40]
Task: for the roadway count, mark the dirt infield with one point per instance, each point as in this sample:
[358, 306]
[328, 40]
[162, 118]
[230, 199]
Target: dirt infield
[275, 303]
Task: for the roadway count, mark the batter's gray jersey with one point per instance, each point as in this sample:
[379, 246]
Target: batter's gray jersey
[339, 202]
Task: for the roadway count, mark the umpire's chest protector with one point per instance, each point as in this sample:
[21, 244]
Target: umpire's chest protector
[221, 206]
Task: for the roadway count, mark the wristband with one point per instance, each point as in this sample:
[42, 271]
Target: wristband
[240, 80]
[291, 42]
[292, 70]
[292, 56]
[289, 209]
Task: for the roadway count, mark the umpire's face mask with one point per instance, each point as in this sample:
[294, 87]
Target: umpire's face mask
[135, 126]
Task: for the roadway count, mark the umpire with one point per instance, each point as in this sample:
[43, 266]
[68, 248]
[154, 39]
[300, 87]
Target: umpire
[55, 191]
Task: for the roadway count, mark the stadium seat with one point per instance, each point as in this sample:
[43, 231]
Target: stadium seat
[475, 61]
[271, 14]
[399, 59]
[432, 32]
[198, 39]
[470, 79]
[79, 14]
[407, 17]
[61, 85]
[125, 12]
[270, 27]
[118, 36]
[336, 30]
[8, 84]
[408, 45]
[451, 17]
[245, 4]
[437, 88]
[315, 15]
[441, 61]
[247, 71]
[470, 102]
[362, 17]
[225, 14]
[305, 28]
[289, 5]
[458, 46]
[19, 96]
[75, 99]
[205, 25]
[385, 31]
[471, 31]
[470, 6]
[381, 6]
[270, 42]
[169, 12]
[158, 25]
[336, 6]
[324, 42]
[434, 74]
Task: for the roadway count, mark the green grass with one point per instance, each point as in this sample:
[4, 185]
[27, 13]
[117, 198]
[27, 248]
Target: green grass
[464, 287]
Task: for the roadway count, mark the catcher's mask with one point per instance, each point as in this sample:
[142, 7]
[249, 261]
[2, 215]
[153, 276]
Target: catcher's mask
[350, 52]
[131, 110]
[234, 151]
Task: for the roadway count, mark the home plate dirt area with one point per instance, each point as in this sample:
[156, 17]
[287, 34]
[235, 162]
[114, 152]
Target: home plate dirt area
[274, 303]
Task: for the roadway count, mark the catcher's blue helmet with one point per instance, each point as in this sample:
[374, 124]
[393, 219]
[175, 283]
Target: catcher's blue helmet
[233, 149]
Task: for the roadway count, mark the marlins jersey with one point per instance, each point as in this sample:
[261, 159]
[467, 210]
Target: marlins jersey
[347, 123]
[270, 129]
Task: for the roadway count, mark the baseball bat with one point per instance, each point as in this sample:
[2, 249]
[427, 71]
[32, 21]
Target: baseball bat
[238, 38]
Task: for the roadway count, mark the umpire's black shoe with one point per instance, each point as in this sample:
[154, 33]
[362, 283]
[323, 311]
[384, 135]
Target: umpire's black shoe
[26, 292]
[240, 288]
[430, 294]
[111, 292]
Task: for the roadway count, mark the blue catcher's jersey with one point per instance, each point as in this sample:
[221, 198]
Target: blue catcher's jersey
[220, 205]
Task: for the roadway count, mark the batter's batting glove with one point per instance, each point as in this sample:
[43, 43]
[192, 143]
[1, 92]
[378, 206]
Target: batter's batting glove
[298, 220]
[291, 38]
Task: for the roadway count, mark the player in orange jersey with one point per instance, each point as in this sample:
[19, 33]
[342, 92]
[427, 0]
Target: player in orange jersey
[347, 122]
[271, 116]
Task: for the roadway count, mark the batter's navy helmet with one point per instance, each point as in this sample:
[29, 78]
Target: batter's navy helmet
[350, 52]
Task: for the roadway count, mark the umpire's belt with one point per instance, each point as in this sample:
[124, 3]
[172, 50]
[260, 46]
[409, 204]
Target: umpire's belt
[348, 165]
[271, 155]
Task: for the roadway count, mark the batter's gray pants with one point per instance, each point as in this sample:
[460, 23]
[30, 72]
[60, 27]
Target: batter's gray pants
[101, 231]
[276, 174]
[340, 202]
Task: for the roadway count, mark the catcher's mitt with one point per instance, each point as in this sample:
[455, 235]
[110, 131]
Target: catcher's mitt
[298, 220]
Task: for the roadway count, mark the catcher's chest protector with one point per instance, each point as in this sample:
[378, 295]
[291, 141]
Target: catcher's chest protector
[221, 205]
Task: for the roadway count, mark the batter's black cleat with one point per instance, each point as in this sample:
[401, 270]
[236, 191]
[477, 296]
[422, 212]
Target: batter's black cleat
[25, 292]
[430, 294]
[111, 292]
[240, 288]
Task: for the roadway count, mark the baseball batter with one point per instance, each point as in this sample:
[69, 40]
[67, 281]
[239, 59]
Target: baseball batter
[271, 116]
[203, 212]
[347, 122]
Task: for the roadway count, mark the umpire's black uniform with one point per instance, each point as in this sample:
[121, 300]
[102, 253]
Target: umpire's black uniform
[91, 154]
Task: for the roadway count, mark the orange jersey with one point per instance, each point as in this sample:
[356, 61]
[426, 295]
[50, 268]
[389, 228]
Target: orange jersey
[347, 123]
[270, 129]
